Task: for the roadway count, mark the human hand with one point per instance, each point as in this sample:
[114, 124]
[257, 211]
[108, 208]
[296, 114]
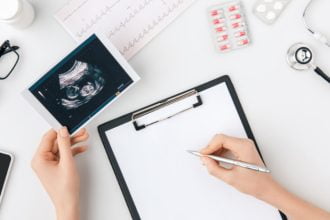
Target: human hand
[55, 166]
[245, 180]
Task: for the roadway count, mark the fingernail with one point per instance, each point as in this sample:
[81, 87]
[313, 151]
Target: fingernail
[64, 132]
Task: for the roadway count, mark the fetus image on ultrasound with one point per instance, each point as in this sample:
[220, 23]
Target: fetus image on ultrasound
[80, 84]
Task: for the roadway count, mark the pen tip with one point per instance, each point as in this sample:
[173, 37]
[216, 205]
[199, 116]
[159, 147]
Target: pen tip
[196, 153]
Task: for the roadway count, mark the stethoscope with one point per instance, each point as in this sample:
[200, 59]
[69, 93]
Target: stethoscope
[300, 56]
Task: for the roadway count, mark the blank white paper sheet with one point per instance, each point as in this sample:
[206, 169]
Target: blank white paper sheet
[166, 182]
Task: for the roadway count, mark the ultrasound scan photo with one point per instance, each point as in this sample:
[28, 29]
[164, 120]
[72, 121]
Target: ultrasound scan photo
[81, 84]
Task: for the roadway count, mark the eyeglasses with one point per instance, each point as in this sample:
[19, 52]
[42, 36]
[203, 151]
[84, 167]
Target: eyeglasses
[8, 59]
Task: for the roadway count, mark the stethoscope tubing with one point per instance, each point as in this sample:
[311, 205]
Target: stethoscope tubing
[322, 74]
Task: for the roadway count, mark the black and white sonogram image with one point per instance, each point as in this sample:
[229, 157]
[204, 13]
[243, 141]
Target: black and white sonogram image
[81, 84]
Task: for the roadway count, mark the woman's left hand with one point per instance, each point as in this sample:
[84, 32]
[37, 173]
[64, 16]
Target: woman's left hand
[55, 166]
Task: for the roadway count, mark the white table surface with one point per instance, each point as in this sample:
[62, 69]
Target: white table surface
[288, 110]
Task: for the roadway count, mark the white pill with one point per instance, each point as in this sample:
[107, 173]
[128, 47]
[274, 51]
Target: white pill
[270, 15]
[278, 5]
[261, 8]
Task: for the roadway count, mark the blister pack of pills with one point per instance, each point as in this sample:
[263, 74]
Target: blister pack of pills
[228, 26]
[269, 10]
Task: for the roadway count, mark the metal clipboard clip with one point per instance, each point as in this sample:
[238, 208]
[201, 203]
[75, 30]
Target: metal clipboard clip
[162, 104]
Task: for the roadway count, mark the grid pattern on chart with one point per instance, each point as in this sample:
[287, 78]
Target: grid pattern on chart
[128, 24]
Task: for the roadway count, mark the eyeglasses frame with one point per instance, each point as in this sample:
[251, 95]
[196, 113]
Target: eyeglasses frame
[6, 48]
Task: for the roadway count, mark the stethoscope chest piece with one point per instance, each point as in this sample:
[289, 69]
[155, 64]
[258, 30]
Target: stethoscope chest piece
[300, 57]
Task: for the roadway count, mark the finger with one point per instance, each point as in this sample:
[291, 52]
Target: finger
[80, 138]
[55, 148]
[216, 144]
[80, 132]
[223, 141]
[64, 145]
[78, 150]
[50, 157]
[47, 141]
[216, 170]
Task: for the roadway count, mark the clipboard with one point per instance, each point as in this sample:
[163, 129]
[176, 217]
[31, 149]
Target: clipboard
[194, 100]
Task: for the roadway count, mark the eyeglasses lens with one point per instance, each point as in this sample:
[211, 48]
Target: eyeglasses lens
[7, 63]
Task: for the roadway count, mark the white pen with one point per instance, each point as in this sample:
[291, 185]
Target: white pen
[232, 162]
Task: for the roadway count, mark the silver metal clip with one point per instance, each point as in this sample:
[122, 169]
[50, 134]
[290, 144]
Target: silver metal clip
[163, 104]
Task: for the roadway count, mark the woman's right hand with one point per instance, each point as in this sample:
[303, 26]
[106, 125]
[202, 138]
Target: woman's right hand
[257, 184]
[245, 180]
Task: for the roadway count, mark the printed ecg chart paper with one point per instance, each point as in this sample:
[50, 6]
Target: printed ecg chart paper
[128, 24]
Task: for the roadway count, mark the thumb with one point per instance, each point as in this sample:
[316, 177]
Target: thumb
[216, 170]
[64, 145]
